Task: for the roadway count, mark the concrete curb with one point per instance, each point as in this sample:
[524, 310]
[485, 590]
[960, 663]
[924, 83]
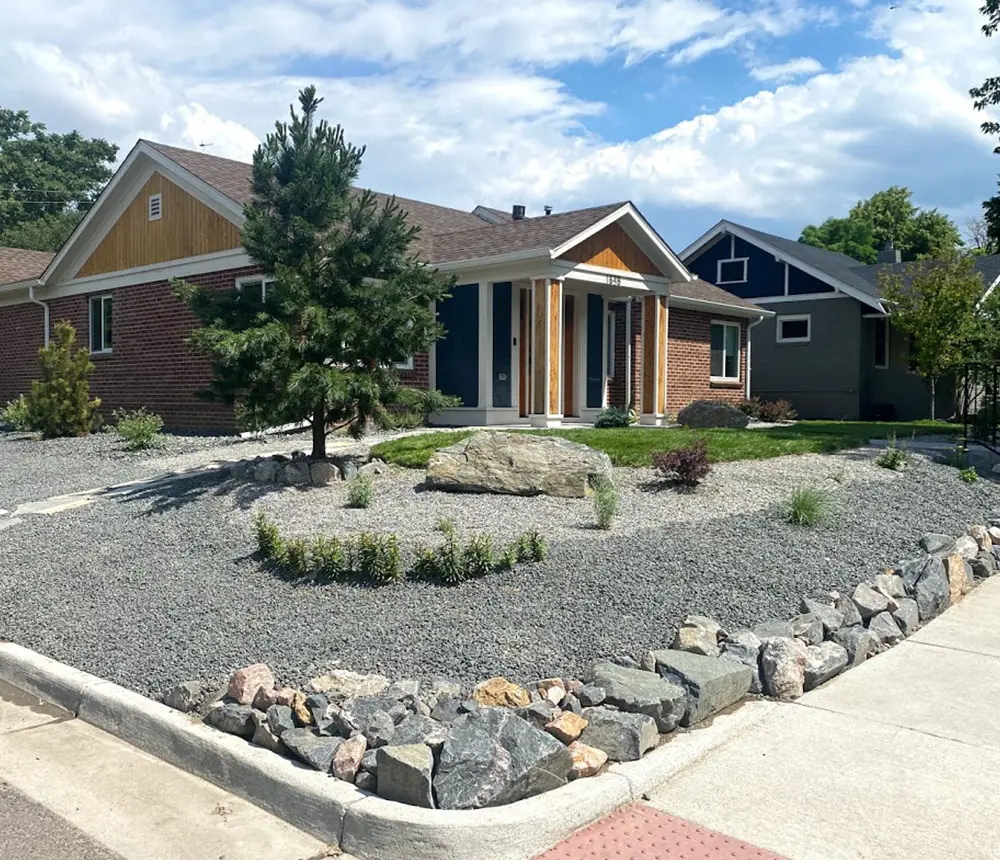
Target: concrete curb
[364, 825]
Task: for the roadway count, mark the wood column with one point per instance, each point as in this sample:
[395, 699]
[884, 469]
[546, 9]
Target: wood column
[546, 342]
[654, 360]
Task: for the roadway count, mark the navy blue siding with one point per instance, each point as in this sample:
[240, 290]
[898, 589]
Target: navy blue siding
[595, 350]
[457, 365]
[800, 283]
[501, 344]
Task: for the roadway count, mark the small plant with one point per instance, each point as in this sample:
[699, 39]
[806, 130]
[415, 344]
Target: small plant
[606, 503]
[750, 406]
[270, 543]
[330, 562]
[361, 492]
[138, 429]
[15, 414]
[893, 457]
[478, 557]
[613, 417]
[807, 506]
[445, 525]
[688, 466]
[444, 563]
[378, 559]
[538, 547]
[968, 474]
[777, 410]
[59, 402]
[296, 557]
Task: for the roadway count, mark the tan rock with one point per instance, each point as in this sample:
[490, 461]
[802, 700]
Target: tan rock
[303, 716]
[981, 535]
[552, 690]
[285, 696]
[245, 683]
[343, 684]
[959, 575]
[994, 533]
[501, 693]
[347, 758]
[586, 760]
[265, 698]
[323, 472]
[567, 727]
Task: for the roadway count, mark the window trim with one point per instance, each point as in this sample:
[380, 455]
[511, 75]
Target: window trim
[885, 322]
[610, 344]
[739, 351]
[405, 364]
[264, 280]
[158, 198]
[793, 318]
[101, 299]
[718, 270]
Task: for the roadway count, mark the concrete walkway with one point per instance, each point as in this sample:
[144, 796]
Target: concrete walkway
[71, 792]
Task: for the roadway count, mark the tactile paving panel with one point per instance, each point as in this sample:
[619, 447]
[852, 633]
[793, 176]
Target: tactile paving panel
[640, 831]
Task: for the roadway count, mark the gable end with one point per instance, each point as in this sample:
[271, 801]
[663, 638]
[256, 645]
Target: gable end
[612, 248]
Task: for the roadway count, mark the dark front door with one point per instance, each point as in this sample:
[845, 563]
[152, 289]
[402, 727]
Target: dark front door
[457, 356]
[569, 353]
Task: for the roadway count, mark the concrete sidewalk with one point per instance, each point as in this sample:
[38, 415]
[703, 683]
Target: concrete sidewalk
[68, 790]
[896, 760]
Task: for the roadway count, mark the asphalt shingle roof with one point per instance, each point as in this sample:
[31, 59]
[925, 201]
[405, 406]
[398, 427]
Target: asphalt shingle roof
[987, 266]
[17, 264]
[703, 291]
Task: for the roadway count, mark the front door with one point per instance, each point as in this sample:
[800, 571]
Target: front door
[524, 354]
[569, 353]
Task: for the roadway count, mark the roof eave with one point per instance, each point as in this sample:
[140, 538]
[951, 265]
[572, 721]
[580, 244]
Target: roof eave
[686, 303]
[493, 260]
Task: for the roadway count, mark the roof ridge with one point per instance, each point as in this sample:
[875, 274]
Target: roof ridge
[534, 218]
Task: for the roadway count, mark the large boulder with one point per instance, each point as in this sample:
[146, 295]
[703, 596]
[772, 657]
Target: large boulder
[699, 635]
[711, 684]
[622, 736]
[404, 774]
[641, 692]
[517, 464]
[927, 582]
[493, 757]
[959, 574]
[712, 413]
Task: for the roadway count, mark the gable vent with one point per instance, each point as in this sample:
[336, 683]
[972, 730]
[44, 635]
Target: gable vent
[155, 207]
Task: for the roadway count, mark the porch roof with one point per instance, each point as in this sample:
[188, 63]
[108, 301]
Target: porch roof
[701, 294]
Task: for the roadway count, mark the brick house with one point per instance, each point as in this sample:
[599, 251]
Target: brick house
[552, 318]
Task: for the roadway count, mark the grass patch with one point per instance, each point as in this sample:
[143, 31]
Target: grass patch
[635, 446]
[807, 506]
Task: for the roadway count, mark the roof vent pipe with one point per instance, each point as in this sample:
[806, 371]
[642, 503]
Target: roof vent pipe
[548, 210]
[517, 213]
[889, 253]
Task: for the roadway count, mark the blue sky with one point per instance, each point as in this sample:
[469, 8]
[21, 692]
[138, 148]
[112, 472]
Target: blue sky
[773, 113]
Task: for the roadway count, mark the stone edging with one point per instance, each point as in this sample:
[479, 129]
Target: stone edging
[364, 825]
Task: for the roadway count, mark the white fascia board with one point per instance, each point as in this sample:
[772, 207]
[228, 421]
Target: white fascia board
[989, 290]
[609, 277]
[705, 238]
[801, 297]
[718, 307]
[477, 263]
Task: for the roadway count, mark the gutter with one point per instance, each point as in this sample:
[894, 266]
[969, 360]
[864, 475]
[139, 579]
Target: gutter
[718, 307]
[43, 306]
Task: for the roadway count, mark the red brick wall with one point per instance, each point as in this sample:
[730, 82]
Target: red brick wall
[21, 336]
[689, 361]
[420, 376]
[616, 386]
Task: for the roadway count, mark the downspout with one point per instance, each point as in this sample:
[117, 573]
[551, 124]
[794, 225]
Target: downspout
[757, 321]
[43, 306]
[628, 352]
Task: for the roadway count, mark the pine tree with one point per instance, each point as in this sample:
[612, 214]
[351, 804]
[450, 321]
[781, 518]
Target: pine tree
[349, 298]
[59, 403]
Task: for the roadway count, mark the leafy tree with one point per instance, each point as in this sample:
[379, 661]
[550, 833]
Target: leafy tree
[46, 180]
[59, 403]
[937, 305]
[349, 299]
[985, 97]
[887, 215]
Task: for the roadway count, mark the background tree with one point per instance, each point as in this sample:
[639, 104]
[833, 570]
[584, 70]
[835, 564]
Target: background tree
[349, 299]
[977, 235]
[985, 97]
[47, 181]
[887, 215]
[937, 305]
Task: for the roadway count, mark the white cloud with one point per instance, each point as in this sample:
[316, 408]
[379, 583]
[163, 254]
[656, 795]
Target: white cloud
[787, 71]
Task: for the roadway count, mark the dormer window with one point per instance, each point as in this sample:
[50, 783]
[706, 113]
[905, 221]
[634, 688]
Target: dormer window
[155, 207]
[732, 271]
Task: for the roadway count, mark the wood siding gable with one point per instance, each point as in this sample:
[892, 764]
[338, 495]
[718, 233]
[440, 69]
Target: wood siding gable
[612, 248]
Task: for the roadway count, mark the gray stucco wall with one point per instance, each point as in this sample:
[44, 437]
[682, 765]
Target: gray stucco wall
[821, 378]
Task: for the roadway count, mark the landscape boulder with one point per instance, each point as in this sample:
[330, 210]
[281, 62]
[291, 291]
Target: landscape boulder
[342, 684]
[641, 692]
[937, 544]
[830, 616]
[263, 736]
[926, 581]
[501, 693]
[966, 547]
[405, 774]
[884, 628]
[347, 758]
[772, 628]
[869, 601]
[712, 413]
[280, 719]
[245, 683]
[959, 575]
[907, 616]
[782, 667]
[518, 464]
[185, 697]
[566, 727]
[743, 646]
[709, 683]
[310, 748]
[823, 662]
[848, 609]
[232, 718]
[808, 627]
[699, 635]
[590, 696]
[857, 642]
[981, 535]
[418, 729]
[493, 757]
[587, 761]
[620, 735]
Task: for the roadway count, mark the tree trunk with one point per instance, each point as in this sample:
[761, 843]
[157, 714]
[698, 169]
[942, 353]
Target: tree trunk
[319, 432]
[933, 383]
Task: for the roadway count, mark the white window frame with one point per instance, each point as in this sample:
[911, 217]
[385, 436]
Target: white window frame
[157, 201]
[406, 364]
[793, 318]
[263, 280]
[98, 301]
[739, 348]
[718, 270]
[610, 345]
[885, 322]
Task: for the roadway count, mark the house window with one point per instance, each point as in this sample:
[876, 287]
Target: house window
[100, 324]
[794, 329]
[254, 289]
[609, 355]
[406, 364]
[155, 207]
[882, 343]
[731, 271]
[725, 361]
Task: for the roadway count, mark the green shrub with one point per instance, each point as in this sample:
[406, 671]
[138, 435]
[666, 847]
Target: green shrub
[445, 525]
[606, 503]
[893, 457]
[969, 475]
[479, 557]
[138, 428]
[688, 466]
[361, 492]
[378, 559]
[330, 562]
[807, 506]
[538, 547]
[15, 414]
[777, 410]
[613, 417]
[750, 406]
[59, 403]
[270, 543]
[296, 561]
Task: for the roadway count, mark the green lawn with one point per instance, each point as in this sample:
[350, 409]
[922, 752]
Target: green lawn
[634, 446]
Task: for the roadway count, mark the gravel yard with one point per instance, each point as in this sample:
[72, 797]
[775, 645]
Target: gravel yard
[163, 587]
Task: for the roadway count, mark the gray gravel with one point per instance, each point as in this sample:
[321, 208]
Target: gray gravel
[163, 588]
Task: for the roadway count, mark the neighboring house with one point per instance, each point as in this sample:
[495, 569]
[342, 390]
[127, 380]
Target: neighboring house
[552, 318]
[830, 348]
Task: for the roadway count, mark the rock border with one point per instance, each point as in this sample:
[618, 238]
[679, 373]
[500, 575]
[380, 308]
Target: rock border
[296, 469]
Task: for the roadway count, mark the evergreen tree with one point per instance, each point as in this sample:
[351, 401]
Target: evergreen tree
[348, 299]
[59, 403]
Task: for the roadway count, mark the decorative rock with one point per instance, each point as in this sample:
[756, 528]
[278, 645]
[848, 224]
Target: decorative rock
[501, 693]
[416, 729]
[587, 761]
[712, 413]
[776, 627]
[572, 704]
[566, 727]
[379, 730]
[590, 696]
[263, 736]
[743, 646]
[232, 718]
[493, 757]
[517, 464]
[539, 713]
[317, 704]
[398, 712]
[185, 697]
[884, 628]
[983, 565]
[710, 684]
[823, 662]
[300, 710]
[446, 710]
[858, 642]
[296, 473]
[869, 602]
[782, 667]
[245, 683]
[350, 464]
[404, 774]
[966, 547]
[907, 616]
[699, 635]
[341, 684]
[890, 584]
[981, 535]
[279, 719]
[366, 781]
[369, 761]
[843, 604]
[264, 699]
[323, 472]
[440, 688]
[285, 696]
[831, 617]
[808, 627]
[925, 579]
[994, 533]
[621, 736]
[552, 689]
[640, 692]
[959, 576]
[308, 747]
[266, 472]
[374, 468]
[347, 758]
[937, 544]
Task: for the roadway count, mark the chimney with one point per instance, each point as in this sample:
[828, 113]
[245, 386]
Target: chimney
[517, 213]
[548, 210]
[889, 254]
